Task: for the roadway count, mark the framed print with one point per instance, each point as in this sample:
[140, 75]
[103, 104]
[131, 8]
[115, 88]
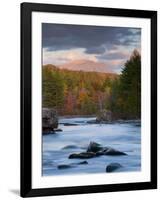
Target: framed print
[88, 99]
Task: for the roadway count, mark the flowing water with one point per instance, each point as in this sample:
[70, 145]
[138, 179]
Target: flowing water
[124, 137]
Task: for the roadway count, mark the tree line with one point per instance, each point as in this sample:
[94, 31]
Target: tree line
[86, 93]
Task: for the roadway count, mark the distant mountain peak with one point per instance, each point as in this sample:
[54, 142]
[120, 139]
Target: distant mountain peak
[85, 65]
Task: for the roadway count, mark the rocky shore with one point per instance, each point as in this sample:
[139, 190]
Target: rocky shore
[50, 120]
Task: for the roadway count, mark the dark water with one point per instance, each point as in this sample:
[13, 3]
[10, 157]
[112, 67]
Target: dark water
[125, 137]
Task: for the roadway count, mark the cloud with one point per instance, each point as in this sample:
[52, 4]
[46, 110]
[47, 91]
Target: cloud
[64, 43]
[65, 56]
[94, 39]
[113, 56]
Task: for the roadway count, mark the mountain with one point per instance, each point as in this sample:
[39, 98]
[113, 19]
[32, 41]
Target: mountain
[85, 65]
[77, 72]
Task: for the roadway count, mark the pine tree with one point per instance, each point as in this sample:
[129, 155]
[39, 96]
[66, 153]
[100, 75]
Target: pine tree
[52, 89]
[130, 86]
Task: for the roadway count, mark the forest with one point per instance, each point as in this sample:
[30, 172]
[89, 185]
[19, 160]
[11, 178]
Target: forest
[86, 93]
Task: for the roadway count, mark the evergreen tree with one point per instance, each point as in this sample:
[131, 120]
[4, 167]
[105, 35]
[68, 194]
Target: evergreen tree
[130, 86]
[52, 89]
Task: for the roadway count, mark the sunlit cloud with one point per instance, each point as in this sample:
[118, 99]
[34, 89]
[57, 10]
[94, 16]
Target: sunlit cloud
[112, 46]
[63, 56]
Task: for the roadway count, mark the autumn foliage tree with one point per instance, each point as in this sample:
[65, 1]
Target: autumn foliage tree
[86, 93]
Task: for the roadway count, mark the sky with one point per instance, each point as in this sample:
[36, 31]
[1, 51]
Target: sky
[111, 46]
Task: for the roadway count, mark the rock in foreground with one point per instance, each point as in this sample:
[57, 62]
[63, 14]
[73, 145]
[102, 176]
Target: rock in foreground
[112, 167]
[100, 150]
[66, 166]
[113, 152]
[94, 150]
[70, 147]
[83, 155]
[94, 147]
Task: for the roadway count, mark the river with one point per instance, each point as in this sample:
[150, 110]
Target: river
[124, 137]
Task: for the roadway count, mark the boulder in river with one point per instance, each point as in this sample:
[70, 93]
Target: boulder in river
[58, 130]
[104, 116]
[113, 152]
[83, 155]
[83, 162]
[66, 166]
[69, 124]
[94, 147]
[100, 150]
[112, 167]
[49, 120]
[70, 147]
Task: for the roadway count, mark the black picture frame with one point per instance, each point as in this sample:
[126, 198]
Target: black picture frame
[26, 102]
